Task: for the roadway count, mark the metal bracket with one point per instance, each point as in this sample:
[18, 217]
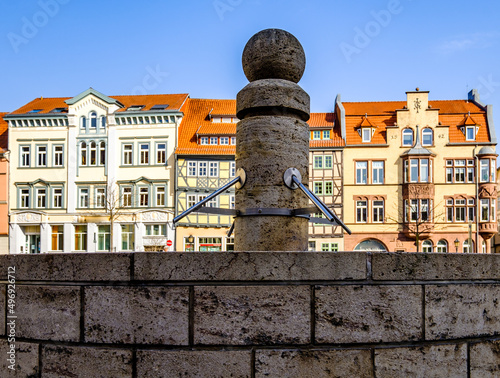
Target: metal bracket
[293, 178]
[239, 181]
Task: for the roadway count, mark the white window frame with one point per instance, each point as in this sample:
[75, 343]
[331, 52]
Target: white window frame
[192, 168]
[224, 141]
[430, 134]
[362, 211]
[58, 156]
[404, 136]
[57, 198]
[100, 197]
[40, 154]
[160, 194]
[127, 196]
[144, 154]
[41, 196]
[161, 153]
[83, 197]
[214, 141]
[378, 211]
[318, 162]
[204, 140]
[127, 155]
[24, 198]
[25, 156]
[213, 169]
[471, 129]
[378, 172]
[366, 134]
[143, 191]
[361, 167]
[326, 134]
[316, 134]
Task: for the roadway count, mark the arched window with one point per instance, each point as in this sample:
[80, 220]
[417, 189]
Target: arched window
[93, 153]
[370, 245]
[468, 248]
[103, 122]
[427, 246]
[442, 246]
[102, 153]
[83, 123]
[427, 139]
[408, 137]
[83, 152]
[93, 120]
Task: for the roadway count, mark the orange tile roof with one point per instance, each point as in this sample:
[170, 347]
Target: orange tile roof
[196, 118]
[175, 102]
[321, 120]
[218, 129]
[196, 121]
[382, 114]
[4, 133]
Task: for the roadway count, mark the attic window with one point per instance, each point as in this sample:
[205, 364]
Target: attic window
[35, 111]
[58, 110]
[159, 107]
[366, 134]
[470, 133]
[135, 108]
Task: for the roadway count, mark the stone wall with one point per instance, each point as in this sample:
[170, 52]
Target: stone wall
[279, 314]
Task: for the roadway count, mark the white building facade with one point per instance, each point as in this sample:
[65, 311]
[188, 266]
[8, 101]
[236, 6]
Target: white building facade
[93, 173]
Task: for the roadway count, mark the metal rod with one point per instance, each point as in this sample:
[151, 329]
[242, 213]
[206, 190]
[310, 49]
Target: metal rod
[207, 198]
[320, 205]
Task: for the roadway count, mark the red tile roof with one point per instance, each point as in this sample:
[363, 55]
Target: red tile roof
[175, 102]
[196, 118]
[452, 113]
[196, 121]
[4, 133]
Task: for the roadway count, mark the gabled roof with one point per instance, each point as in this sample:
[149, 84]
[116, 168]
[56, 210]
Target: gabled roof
[92, 91]
[383, 115]
[4, 133]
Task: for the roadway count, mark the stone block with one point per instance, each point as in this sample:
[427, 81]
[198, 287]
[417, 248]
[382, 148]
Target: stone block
[250, 266]
[432, 266]
[68, 267]
[313, 363]
[455, 311]
[48, 312]
[66, 361]
[193, 363]
[366, 314]
[435, 361]
[261, 315]
[26, 359]
[137, 315]
[485, 359]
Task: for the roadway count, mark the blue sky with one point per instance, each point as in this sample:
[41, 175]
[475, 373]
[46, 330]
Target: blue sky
[364, 50]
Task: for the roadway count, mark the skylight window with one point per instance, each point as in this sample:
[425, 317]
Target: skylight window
[160, 107]
[35, 111]
[58, 110]
[135, 108]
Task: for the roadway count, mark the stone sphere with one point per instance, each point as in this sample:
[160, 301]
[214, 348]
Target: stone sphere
[274, 54]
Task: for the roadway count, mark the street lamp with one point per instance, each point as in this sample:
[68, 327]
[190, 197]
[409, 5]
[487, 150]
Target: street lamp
[457, 243]
[190, 239]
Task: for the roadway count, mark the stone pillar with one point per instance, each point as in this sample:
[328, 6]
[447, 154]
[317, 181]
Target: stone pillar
[271, 137]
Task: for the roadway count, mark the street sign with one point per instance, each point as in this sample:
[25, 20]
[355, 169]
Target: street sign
[169, 243]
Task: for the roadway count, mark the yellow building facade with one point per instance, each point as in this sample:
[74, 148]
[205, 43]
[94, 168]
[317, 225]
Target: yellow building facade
[419, 175]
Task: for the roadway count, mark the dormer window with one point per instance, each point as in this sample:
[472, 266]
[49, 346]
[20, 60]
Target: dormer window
[326, 134]
[204, 140]
[35, 111]
[135, 108]
[470, 133]
[407, 137]
[214, 140]
[159, 107]
[316, 134]
[366, 135]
